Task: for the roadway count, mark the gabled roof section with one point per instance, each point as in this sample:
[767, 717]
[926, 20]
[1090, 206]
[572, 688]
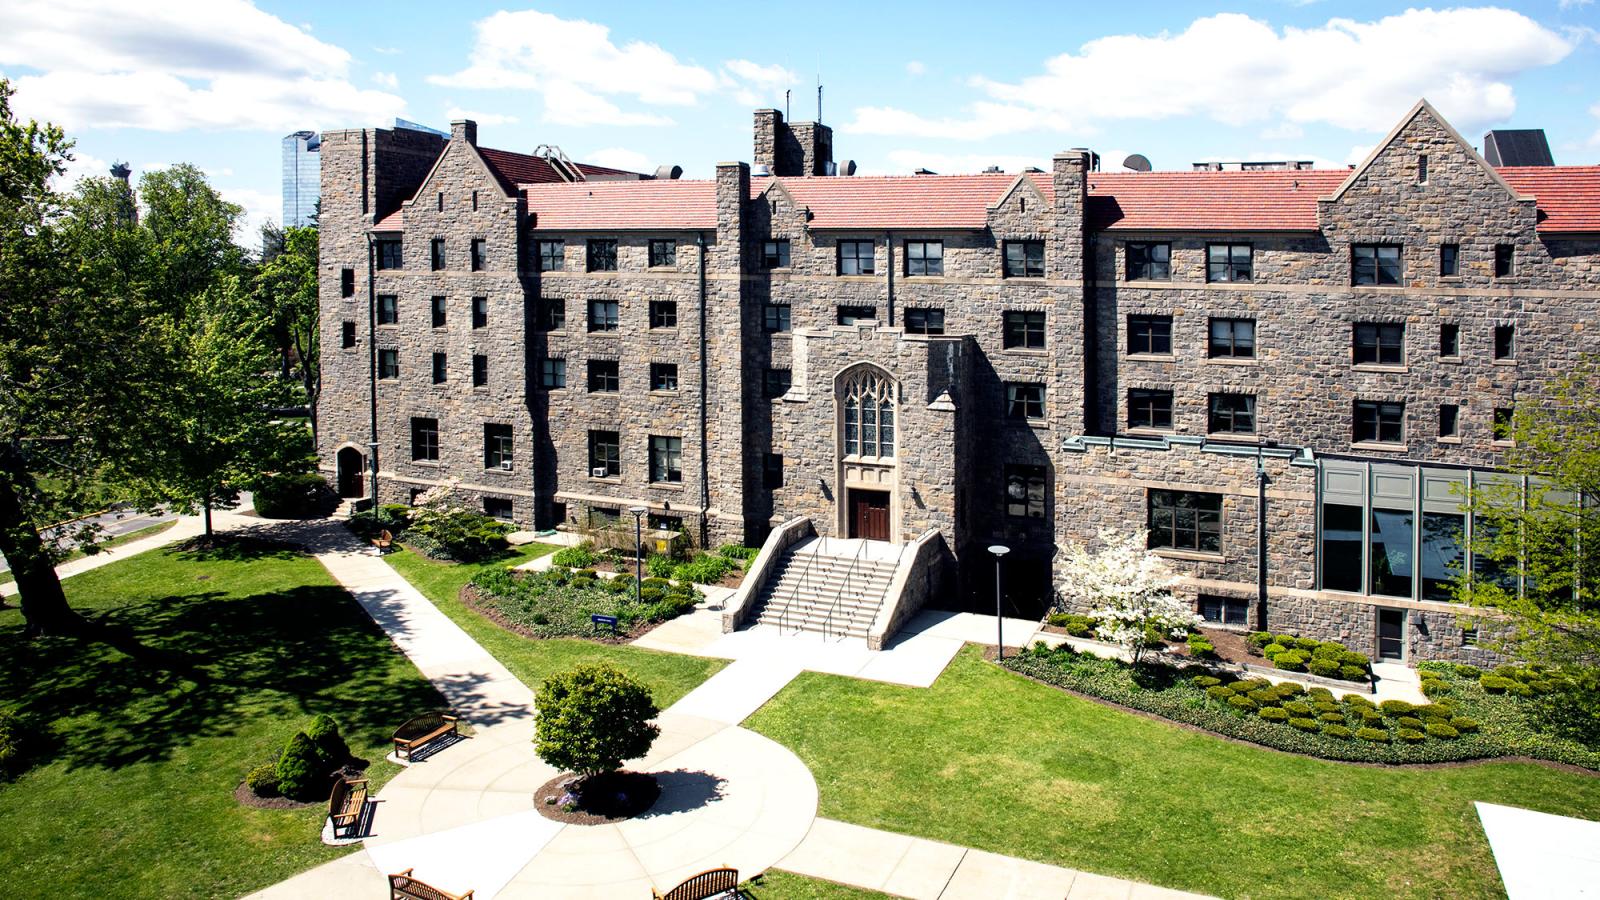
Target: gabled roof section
[1208, 201]
[514, 169]
[1020, 183]
[901, 202]
[1423, 106]
[1568, 196]
[623, 205]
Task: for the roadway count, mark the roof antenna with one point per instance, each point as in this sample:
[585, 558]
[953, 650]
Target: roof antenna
[819, 99]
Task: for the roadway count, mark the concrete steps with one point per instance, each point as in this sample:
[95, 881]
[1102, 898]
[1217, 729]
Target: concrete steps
[834, 595]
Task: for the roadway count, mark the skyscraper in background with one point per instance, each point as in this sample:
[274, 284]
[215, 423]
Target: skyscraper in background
[302, 177]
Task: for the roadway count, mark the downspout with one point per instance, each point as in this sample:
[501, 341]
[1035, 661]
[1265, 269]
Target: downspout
[705, 447]
[1261, 542]
[372, 361]
[888, 245]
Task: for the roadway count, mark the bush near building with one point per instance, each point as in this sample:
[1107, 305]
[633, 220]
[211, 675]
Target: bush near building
[558, 603]
[1325, 659]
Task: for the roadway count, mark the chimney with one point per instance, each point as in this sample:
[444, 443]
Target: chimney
[791, 150]
[769, 122]
[464, 130]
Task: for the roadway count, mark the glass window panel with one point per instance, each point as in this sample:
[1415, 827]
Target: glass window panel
[1391, 556]
[1341, 547]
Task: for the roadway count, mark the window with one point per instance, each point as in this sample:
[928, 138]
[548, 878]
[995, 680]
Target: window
[1149, 262]
[603, 315]
[440, 368]
[1023, 330]
[474, 201]
[1449, 260]
[663, 314]
[1505, 260]
[1024, 400]
[1450, 340]
[441, 201]
[1185, 520]
[775, 317]
[924, 321]
[1025, 491]
[388, 364]
[924, 257]
[663, 376]
[1469, 636]
[602, 256]
[855, 258]
[663, 523]
[496, 507]
[852, 315]
[868, 409]
[480, 312]
[604, 517]
[389, 253]
[1342, 543]
[1374, 264]
[1449, 416]
[603, 376]
[775, 254]
[1229, 262]
[388, 309]
[1024, 259]
[776, 383]
[425, 440]
[497, 447]
[480, 370]
[1149, 408]
[1378, 344]
[552, 313]
[438, 254]
[553, 373]
[347, 282]
[1232, 339]
[1232, 414]
[1224, 610]
[1503, 417]
[666, 460]
[663, 253]
[1422, 168]
[480, 254]
[1505, 342]
[1151, 335]
[772, 471]
[605, 453]
[552, 255]
[438, 304]
[347, 334]
[1383, 423]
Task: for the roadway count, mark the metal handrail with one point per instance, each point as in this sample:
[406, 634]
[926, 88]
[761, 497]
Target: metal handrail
[838, 596]
[783, 612]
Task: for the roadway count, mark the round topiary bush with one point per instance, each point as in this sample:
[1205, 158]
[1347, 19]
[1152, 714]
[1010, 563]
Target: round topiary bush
[263, 780]
[1466, 671]
[592, 718]
[1495, 684]
[1259, 639]
[1205, 681]
[1335, 718]
[1306, 644]
[1442, 731]
[299, 769]
[1433, 687]
[1265, 697]
[1286, 640]
[1395, 708]
[1337, 731]
[1464, 725]
[1433, 711]
[1358, 660]
[1324, 668]
[1245, 687]
[1273, 714]
[1219, 692]
[1272, 650]
[1411, 722]
[1325, 706]
[1291, 689]
[1375, 735]
[1357, 700]
[1306, 725]
[1352, 673]
[1291, 661]
[1243, 704]
[1297, 708]
[1410, 735]
[1319, 693]
[1371, 716]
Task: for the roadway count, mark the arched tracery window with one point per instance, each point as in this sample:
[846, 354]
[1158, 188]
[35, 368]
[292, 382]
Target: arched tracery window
[866, 399]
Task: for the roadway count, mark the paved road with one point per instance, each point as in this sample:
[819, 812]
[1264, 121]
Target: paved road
[118, 522]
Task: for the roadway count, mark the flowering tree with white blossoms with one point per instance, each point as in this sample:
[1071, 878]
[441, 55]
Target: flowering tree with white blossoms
[1130, 590]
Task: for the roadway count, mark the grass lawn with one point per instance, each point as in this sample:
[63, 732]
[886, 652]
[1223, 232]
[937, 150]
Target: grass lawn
[776, 884]
[6, 576]
[669, 675]
[991, 760]
[232, 654]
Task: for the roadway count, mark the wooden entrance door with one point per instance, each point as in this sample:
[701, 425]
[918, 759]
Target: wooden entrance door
[869, 515]
[1392, 635]
[350, 464]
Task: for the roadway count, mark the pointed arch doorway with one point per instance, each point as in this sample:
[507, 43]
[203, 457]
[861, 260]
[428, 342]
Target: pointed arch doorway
[866, 400]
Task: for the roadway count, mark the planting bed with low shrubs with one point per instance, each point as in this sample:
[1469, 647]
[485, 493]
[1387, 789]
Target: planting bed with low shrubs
[1325, 659]
[701, 568]
[1290, 717]
[558, 603]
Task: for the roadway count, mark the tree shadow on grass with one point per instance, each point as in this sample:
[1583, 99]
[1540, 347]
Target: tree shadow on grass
[167, 671]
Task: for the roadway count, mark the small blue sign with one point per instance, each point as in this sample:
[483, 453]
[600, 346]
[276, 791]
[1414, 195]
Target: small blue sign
[608, 621]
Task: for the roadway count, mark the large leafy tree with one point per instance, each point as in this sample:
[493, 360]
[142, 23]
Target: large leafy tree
[1547, 534]
[593, 718]
[286, 289]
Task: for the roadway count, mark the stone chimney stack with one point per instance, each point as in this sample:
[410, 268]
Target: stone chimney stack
[791, 150]
[464, 130]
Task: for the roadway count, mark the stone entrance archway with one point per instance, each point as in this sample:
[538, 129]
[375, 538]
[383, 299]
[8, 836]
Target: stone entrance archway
[351, 465]
[866, 403]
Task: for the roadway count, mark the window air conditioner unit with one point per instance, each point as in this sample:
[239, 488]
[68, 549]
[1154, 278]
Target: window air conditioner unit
[505, 465]
[598, 472]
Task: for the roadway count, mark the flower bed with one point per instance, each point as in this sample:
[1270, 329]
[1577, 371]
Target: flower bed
[558, 603]
[1289, 717]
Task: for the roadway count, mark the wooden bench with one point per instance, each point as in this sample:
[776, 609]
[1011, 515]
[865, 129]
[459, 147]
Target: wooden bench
[404, 887]
[419, 730]
[346, 802]
[384, 541]
[710, 883]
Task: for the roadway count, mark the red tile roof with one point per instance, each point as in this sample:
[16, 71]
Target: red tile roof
[911, 202]
[623, 206]
[1569, 196]
[515, 169]
[1209, 201]
[395, 221]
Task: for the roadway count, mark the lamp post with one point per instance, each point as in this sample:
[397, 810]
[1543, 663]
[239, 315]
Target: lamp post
[999, 551]
[638, 548]
[372, 457]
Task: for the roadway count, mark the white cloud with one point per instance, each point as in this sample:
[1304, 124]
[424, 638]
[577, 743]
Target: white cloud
[83, 165]
[620, 158]
[220, 64]
[1574, 4]
[386, 51]
[482, 118]
[1594, 140]
[387, 79]
[915, 67]
[753, 84]
[260, 207]
[1284, 131]
[1238, 71]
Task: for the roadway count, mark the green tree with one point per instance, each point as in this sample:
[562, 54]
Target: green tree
[1536, 564]
[592, 718]
[286, 288]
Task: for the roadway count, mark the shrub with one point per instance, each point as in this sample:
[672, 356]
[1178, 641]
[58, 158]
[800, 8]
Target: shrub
[1337, 731]
[1357, 700]
[1572, 710]
[1442, 731]
[301, 775]
[1352, 673]
[296, 496]
[1201, 648]
[1395, 707]
[1219, 692]
[1287, 640]
[1464, 725]
[1328, 706]
[1411, 722]
[1410, 735]
[1290, 661]
[1306, 644]
[1333, 717]
[263, 780]
[1495, 684]
[703, 569]
[1264, 697]
[580, 556]
[332, 751]
[660, 565]
[1273, 714]
[1358, 660]
[1243, 704]
[1272, 650]
[460, 534]
[1306, 725]
[1296, 708]
[1248, 685]
[1375, 735]
[1329, 651]
[1540, 686]
[1371, 716]
[1466, 671]
[1205, 681]
[591, 718]
[1325, 668]
[651, 595]
[1291, 689]
[735, 551]
[1319, 693]
[1433, 687]
[1433, 711]
[1259, 639]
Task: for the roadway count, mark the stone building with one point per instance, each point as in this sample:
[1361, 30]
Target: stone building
[1016, 358]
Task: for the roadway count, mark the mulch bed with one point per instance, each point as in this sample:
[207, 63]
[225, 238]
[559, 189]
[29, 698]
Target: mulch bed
[602, 800]
[247, 797]
[475, 601]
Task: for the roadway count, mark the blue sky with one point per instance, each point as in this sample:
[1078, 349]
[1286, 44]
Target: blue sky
[950, 86]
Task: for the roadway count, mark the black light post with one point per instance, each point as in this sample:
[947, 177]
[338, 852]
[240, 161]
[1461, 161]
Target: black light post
[999, 551]
[372, 457]
[638, 548]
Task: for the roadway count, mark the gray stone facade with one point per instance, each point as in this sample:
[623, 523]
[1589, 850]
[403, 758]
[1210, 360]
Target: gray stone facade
[958, 449]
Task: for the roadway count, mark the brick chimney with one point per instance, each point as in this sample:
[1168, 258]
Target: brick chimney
[464, 130]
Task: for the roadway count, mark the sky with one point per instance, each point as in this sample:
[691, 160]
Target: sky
[953, 87]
